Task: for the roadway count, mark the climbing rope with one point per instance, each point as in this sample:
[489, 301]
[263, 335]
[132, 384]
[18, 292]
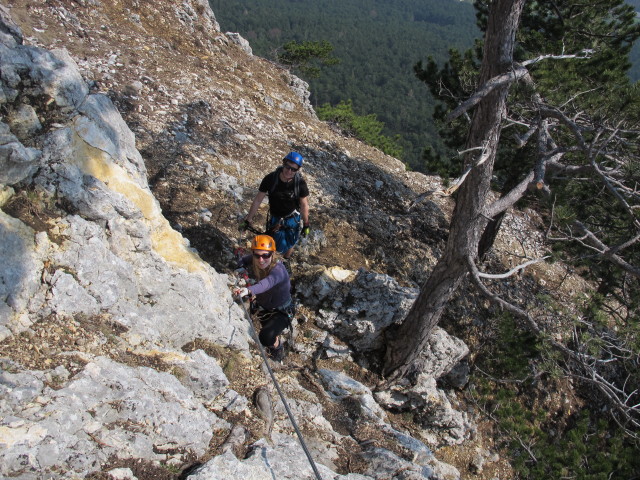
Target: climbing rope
[254, 335]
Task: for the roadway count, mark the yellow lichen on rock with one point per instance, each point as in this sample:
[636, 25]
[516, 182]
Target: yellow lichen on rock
[5, 194]
[165, 241]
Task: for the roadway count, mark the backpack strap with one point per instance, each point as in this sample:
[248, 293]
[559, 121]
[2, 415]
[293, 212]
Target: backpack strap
[296, 184]
[275, 181]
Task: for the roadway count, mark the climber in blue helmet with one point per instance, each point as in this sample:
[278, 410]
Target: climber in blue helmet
[288, 194]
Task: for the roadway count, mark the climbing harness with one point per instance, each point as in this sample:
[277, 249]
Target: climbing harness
[254, 335]
[281, 224]
[288, 310]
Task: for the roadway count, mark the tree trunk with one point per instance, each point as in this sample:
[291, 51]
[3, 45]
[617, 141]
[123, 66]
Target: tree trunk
[405, 342]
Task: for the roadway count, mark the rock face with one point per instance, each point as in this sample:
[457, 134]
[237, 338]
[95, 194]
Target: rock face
[116, 253]
[81, 425]
[108, 252]
[122, 350]
[355, 306]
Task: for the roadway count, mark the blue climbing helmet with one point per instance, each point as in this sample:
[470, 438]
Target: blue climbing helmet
[294, 157]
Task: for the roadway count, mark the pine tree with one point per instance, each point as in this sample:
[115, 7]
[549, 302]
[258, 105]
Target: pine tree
[549, 111]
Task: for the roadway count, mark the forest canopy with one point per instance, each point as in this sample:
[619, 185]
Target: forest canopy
[377, 42]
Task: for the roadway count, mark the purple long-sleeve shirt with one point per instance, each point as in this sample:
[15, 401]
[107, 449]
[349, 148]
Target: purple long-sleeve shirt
[274, 290]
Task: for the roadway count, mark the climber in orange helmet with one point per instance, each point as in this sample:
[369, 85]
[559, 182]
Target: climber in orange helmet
[273, 303]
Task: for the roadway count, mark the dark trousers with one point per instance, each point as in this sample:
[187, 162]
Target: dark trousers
[273, 323]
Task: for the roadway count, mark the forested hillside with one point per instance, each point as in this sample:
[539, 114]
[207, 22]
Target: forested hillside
[378, 43]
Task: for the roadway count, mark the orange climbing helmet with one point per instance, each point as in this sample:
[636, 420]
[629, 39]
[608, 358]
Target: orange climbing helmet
[263, 242]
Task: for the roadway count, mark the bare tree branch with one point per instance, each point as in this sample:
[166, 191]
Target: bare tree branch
[513, 270]
[620, 400]
[582, 55]
[597, 147]
[609, 252]
[517, 72]
[458, 181]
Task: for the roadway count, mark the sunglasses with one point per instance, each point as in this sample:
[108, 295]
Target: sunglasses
[291, 168]
[264, 256]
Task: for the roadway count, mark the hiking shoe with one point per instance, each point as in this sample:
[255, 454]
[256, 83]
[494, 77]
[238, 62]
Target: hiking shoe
[276, 354]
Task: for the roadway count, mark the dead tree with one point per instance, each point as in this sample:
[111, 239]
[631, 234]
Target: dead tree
[469, 219]
[594, 140]
[607, 151]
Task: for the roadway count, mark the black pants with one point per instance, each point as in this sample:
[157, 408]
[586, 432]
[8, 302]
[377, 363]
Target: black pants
[273, 323]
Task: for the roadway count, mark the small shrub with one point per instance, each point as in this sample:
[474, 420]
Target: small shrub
[367, 128]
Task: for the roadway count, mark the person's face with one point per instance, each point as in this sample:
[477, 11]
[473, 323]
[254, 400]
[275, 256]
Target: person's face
[262, 257]
[289, 170]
